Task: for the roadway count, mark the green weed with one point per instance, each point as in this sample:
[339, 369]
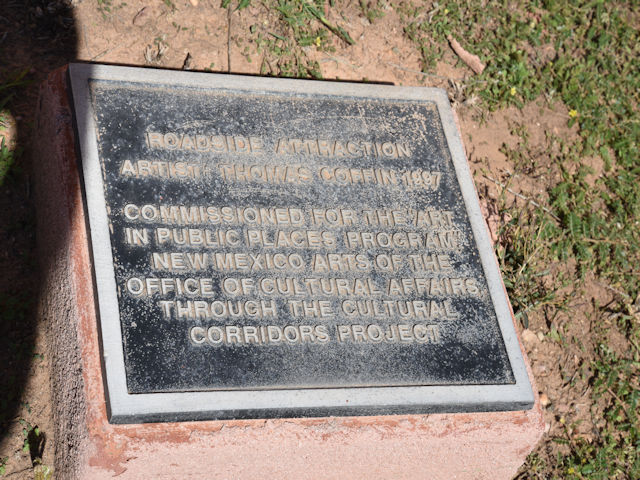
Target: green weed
[524, 253]
[170, 5]
[7, 161]
[616, 453]
[301, 24]
[42, 472]
[284, 51]
[303, 16]
[281, 56]
[107, 7]
[284, 46]
[34, 442]
[240, 5]
[372, 9]
[8, 156]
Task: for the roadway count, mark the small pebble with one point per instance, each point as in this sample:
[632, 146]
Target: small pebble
[194, 2]
[142, 17]
[544, 400]
[528, 337]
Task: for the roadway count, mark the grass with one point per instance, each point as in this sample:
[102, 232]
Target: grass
[584, 54]
[284, 46]
[523, 252]
[615, 455]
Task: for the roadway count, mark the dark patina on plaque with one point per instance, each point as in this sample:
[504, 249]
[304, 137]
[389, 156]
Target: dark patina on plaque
[283, 248]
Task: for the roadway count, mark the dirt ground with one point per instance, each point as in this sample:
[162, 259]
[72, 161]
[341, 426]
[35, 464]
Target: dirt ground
[200, 35]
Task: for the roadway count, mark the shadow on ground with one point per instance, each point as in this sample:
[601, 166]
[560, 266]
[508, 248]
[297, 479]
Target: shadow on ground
[36, 36]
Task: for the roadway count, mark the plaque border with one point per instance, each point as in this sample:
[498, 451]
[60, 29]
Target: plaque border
[123, 407]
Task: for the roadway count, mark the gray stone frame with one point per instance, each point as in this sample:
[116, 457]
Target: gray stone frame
[132, 408]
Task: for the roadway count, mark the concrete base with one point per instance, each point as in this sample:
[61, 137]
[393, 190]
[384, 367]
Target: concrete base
[439, 446]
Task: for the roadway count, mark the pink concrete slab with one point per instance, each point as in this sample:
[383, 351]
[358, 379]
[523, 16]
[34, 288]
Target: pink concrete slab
[439, 446]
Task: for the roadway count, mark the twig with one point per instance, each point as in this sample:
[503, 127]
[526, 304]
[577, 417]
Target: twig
[519, 195]
[472, 61]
